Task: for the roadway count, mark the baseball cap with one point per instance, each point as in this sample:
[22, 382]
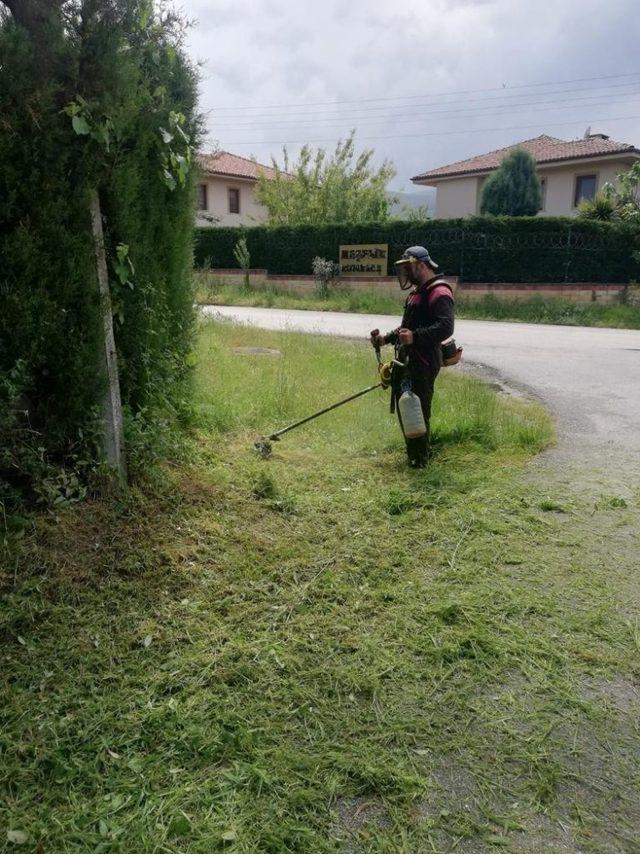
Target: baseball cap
[417, 253]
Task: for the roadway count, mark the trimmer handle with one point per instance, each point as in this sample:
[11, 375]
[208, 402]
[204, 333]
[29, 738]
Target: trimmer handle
[374, 335]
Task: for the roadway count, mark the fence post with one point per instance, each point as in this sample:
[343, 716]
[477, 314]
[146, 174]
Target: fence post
[113, 433]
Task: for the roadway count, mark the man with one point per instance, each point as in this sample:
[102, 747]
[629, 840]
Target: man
[427, 321]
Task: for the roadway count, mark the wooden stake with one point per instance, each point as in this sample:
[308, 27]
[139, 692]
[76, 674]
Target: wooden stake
[113, 434]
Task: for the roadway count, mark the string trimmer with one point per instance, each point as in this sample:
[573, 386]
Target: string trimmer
[263, 445]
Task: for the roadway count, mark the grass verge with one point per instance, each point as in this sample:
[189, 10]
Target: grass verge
[324, 651]
[538, 309]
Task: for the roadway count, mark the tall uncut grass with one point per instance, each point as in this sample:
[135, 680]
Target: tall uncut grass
[263, 393]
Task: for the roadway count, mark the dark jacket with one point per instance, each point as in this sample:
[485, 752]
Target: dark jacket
[429, 314]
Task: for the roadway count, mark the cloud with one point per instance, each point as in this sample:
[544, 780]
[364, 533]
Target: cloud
[281, 52]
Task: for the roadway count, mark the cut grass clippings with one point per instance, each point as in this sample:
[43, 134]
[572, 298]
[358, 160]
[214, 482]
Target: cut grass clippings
[537, 309]
[323, 651]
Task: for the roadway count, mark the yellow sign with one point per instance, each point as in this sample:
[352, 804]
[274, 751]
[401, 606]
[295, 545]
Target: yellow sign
[364, 260]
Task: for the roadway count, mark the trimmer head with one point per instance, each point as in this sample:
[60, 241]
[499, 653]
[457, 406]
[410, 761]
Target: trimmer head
[263, 446]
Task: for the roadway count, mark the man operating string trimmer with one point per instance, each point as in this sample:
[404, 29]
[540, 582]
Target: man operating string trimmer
[427, 321]
[419, 355]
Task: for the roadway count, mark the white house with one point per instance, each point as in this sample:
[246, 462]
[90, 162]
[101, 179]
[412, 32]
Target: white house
[568, 171]
[226, 191]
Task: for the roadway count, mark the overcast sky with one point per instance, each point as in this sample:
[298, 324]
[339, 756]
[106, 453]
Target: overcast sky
[424, 82]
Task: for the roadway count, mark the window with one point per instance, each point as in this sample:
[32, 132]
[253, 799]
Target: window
[234, 200]
[585, 188]
[202, 197]
[543, 187]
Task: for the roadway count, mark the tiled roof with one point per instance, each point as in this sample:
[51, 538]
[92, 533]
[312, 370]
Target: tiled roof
[545, 149]
[224, 163]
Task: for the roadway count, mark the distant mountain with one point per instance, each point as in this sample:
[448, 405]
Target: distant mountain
[414, 199]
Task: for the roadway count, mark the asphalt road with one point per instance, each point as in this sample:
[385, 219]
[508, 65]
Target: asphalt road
[589, 378]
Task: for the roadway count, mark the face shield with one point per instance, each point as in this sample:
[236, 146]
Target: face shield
[405, 274]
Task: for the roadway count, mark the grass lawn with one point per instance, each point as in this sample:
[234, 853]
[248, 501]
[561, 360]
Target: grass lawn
[324, 651]
[538, 309]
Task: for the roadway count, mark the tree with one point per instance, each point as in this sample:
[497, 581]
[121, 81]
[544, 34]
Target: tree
[514, 189]
[321, 190]
[422, 213]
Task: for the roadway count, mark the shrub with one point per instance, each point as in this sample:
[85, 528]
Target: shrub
[601, 207]
[325, 273]
[242, 256]
[620, 200]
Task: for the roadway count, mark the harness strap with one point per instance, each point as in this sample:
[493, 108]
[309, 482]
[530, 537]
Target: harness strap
[438, 289]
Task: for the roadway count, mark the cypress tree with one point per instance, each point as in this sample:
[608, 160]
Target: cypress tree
[514, 189]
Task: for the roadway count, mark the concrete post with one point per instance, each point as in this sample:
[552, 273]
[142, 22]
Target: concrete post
[113, 434]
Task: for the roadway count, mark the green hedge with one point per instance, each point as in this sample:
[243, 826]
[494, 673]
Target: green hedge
[51, 341]
[479, 249]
